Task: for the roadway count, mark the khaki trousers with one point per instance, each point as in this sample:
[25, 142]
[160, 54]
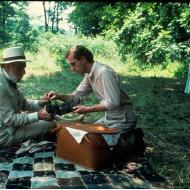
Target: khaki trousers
[32, 131]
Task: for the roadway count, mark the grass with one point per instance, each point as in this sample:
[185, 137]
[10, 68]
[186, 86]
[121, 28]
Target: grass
[161, 105]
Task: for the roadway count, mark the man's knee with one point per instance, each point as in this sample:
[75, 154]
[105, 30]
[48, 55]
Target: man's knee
[32, 131]
[45, 124]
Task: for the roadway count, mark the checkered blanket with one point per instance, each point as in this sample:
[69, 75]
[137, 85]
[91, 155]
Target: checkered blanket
[43, 169]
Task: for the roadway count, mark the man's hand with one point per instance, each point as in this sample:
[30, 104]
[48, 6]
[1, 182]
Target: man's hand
[81, 109]
[50, 96]
[44, 115]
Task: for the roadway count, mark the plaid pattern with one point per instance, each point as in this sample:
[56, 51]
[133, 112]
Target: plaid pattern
[44, 170]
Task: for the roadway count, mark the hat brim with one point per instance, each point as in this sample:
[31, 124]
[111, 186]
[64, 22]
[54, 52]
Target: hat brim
[13, 61]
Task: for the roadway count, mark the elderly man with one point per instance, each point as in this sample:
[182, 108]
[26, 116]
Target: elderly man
[114, 101]
[20, 119]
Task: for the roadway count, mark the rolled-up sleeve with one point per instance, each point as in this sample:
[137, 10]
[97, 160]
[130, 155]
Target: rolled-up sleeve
[12, 119]
[32, 105]
[28, 105]
[33, 117]
[110, 89]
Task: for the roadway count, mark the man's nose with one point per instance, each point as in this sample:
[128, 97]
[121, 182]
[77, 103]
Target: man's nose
[23, 72]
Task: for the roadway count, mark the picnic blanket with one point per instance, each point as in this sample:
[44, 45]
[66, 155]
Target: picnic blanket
[42, 169]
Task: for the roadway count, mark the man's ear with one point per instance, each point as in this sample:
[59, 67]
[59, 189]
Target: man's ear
[83, 59]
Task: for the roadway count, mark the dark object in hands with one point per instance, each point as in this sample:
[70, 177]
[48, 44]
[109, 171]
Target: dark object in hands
[59, 109]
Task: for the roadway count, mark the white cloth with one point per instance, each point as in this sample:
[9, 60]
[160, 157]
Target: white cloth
[79, 134]
[76, 133]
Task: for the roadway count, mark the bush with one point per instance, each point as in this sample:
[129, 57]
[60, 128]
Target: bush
[57, 45]
[156, 33]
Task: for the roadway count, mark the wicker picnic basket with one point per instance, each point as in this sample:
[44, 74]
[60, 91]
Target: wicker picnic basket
[93, 151]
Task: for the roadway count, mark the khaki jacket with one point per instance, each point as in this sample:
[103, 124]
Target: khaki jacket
[12, 108]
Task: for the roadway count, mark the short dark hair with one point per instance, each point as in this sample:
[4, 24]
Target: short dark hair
[80, 51]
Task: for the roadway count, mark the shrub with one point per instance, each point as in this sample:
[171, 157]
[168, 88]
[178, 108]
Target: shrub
[58, 45]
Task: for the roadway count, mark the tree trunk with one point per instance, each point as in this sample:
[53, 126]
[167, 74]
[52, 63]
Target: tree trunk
[45, 17]
[53, 17]
[57, 17]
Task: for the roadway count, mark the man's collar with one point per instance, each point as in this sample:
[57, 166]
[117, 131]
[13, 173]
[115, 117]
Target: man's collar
[92, 69]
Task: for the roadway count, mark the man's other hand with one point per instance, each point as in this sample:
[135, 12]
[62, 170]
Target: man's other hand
[81, 109]
[50, 96]
[44, 115]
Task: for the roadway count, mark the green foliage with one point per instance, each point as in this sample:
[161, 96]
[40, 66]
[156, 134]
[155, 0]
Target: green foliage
[156, 33]
[153, 33]
[32, 40]
[87, 16]
[92, 18]
[58, 45]
[18, 27]
[6, 12]
[15, 28]
[112, 18]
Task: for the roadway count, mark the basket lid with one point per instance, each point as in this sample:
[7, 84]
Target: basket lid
[89, 127]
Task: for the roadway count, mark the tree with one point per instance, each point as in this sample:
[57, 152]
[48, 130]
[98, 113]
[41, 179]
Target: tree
[156, 33]
[18, 26]
[53, 14]
[6, 12]
[93, 18]
[45, 16]
[86, 17]
[14, 23]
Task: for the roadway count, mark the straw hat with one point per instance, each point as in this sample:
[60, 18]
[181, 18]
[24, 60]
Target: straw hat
[14, 54]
